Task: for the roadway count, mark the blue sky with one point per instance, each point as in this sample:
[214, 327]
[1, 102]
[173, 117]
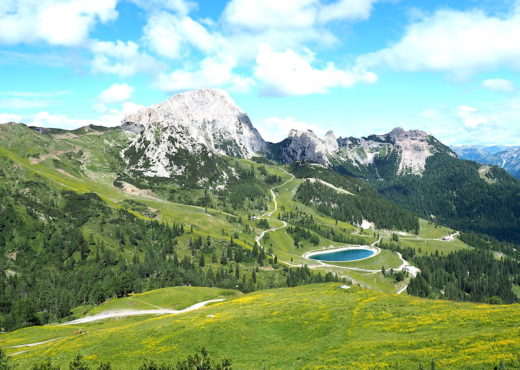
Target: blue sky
[356, 67]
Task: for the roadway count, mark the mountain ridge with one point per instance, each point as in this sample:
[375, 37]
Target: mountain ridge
[208, 121]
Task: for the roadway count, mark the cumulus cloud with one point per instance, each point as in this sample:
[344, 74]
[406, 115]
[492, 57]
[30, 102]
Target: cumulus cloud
[211, 73]
[121, 58]
[181, 7]
[7, 117]
[291, 14]
[470, 117]
[500, 85]
[259, 15]
[346, 10]
[289, 73]
[167, 33]
[114, 117]
[458, 42]
[57, 22]
[46, 119]
[275, 129]
[116, 93]
[235, 43]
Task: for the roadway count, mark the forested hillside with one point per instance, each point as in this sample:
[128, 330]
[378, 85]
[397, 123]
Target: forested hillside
[476, 276]
[453, 192]
[364, 203]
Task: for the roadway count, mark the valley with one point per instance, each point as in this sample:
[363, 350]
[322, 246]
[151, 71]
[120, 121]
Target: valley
[108, 233]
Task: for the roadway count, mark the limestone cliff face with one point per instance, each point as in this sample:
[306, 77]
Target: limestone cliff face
[193, 122]
[306, 146]
[400, 152]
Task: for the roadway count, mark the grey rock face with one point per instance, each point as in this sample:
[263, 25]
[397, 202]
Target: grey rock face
[193, 121]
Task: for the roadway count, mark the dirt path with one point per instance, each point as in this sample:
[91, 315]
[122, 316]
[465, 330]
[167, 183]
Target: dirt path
[267, 216]
[125, 313]
[402, 289]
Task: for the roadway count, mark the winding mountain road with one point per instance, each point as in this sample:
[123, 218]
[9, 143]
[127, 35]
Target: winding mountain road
[267, 215]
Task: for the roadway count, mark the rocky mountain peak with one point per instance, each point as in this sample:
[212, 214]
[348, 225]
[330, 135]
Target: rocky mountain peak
[206, 119]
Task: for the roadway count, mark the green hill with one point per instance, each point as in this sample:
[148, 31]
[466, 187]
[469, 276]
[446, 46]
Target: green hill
[317, 326]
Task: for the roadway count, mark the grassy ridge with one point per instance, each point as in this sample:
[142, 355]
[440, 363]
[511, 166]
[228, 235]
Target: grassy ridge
[311, 326]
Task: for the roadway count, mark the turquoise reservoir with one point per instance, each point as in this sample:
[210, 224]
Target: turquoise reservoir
[345, 255]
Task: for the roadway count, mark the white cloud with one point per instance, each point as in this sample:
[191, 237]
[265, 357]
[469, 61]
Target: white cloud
[46, 119]
[289, 73]
[121, 58]
[500, 85]
[167, 33]
[275, 129]
[346, 10]
[470, 118]
[115, 94]
[110, 117]
[452, 41]
[211, 73]
[181, 7]
[293, 14]
[7, 117]
[288, 24]
[57, 22]
[235, 44]
[113, 117]
[269, 14]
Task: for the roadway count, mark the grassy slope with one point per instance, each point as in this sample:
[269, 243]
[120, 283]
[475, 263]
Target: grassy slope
[312, 326]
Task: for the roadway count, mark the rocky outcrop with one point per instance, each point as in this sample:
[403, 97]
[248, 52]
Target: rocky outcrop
[306, 146]
[399, 152]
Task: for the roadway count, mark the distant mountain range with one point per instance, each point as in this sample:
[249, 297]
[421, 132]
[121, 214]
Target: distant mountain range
[505, 157]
